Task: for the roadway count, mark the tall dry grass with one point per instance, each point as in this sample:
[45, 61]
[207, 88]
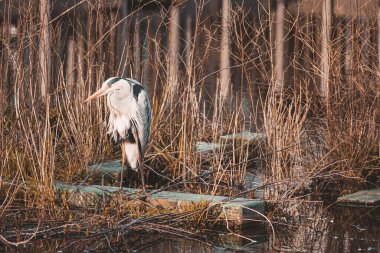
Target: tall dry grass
[308, 141]
[320, 145]
[54, 138]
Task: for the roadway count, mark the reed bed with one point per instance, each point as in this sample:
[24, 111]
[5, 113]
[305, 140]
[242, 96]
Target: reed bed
[312, 142]
[318, 144]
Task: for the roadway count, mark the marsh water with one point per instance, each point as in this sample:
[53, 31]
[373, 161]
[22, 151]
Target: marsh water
[299, 227]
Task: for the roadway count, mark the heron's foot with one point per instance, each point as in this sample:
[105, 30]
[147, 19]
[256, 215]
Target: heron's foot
[143, 198]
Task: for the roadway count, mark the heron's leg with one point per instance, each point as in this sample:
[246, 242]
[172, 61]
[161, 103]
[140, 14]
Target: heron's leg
[123, 163]
[141, 169]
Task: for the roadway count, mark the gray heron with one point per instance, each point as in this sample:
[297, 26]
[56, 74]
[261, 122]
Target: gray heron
[129, 120]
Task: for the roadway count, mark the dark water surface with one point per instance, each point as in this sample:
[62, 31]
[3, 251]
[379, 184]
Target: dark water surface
[299, 227]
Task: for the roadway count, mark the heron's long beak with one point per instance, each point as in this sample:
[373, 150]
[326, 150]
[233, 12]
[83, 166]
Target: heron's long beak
[99, 93]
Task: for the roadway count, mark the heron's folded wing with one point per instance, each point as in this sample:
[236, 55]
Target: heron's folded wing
[137, 108]
[144, 118]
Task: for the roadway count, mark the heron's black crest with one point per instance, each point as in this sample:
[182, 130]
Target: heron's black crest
[137, 88]
[113, 80]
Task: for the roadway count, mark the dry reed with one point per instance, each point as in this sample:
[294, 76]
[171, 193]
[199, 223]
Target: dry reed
[310, 142]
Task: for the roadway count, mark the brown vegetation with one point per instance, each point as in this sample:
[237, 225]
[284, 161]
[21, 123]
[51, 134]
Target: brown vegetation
[312, 141]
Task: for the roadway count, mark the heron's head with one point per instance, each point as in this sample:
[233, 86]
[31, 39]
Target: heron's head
[110, 85]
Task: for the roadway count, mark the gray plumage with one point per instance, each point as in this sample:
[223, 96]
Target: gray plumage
[130, 114]
[130, 117]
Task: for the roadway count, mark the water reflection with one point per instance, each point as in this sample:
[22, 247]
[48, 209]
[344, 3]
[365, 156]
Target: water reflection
[299, 226]
[213, 242]
[313, 227]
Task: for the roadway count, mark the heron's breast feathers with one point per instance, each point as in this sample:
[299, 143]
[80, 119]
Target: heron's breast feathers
[119, 127]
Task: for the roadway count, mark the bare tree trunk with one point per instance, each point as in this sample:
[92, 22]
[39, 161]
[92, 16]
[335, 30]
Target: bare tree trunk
[279, 46]
[173, 50]
[70, 77]
[100, 23]
[137, 50]
[326, 31]
[80, 49]
[348, 56]
[188, 39]
[225, 72]
[378, 36]
[124, 38]
[90, 43]
[147, 71]
[44, 47]
[4, 67]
